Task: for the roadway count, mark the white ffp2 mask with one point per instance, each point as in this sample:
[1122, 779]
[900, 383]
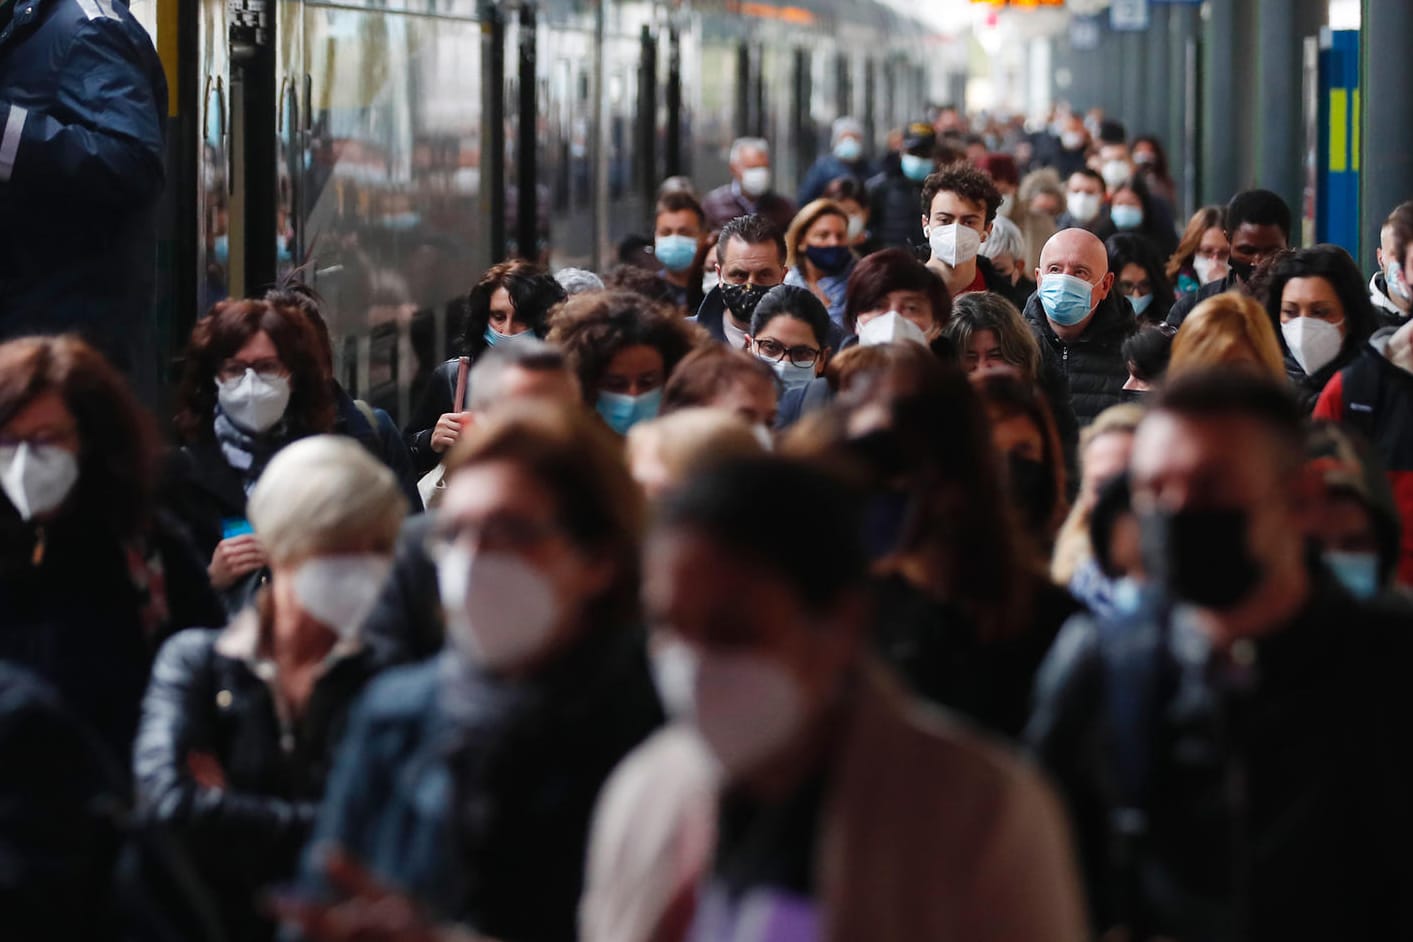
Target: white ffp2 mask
[340, 591]
[37, 478]
[254, 402]
[954, 244]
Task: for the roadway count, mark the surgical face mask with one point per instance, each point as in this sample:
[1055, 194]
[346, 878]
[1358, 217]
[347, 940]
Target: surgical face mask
[1145, 158]
[37, 478]
[1200, 555]
[1397, 283]
[1008, 202]
[1208, 269]
[495, 338]
[755, 181]
[891, 327]
[500, 610]
[791, 376]
[954, 244]
[1115, 173]
[622, 411]
[1314, 343]
[1357, 572]
[849, 149]
[676, 252]
[916, 168]
[1072, 140]
[741, 300]
[254, 402]
[856, 226]
[1083, 206]
[1126, 217]
[1140, 303]
[746, 708]
[1067, 300]
[221, 248]
[830, 259]
[674, 669]
[340, 591]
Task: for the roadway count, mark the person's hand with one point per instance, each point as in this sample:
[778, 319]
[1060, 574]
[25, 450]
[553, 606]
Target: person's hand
[368, 910]
[206, 769]
[234, 558]
[448, 430]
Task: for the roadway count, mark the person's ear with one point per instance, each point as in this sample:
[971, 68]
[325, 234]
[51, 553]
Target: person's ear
[1105, 284]
[1379, 256]
[986, 233]
[823, 361]
[926, 226]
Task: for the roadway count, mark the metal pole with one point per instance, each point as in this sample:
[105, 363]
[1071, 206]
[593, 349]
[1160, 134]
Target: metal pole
[600, 148]
[527, 229]
[493, 153]
[1282, 26]
[1157, 78]
[1386, 87]
[253, 102]
[1220, 107]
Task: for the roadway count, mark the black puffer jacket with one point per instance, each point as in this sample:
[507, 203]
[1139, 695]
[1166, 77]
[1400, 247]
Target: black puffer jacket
[208, 696]
[895, 209]
[1093, 363]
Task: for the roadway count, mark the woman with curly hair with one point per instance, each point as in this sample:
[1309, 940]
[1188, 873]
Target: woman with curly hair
[92, 577]
[510, 303]
[254, 383]
[623, 348]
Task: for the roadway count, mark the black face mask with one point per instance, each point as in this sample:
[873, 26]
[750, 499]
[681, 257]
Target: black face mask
[1201, 556]
[741, 300]
[1132, 395]
[1242, 270]
[1032, 487]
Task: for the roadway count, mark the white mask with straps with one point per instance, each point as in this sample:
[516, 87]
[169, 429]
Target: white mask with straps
[37, 478]
[340, 591]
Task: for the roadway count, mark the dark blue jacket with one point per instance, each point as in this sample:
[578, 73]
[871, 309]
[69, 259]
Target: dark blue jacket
[825, 171]
[83, 100]
[474, 794]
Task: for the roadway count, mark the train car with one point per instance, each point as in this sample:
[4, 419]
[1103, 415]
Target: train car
[393, 149]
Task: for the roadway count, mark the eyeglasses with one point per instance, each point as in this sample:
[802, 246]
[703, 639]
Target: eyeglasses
[268, 368]
[497, 533]
[776, 351]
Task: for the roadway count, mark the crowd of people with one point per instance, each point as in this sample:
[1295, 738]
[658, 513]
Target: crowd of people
[964, 554]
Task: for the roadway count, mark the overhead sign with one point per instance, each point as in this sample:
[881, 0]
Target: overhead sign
[1128, 15]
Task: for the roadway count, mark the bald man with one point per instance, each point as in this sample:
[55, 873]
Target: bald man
[1075, 312]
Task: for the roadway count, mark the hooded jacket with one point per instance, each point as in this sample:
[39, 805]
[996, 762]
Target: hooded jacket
[1388, 313]
[83, 100]
[1093, 363]
[1374, 394]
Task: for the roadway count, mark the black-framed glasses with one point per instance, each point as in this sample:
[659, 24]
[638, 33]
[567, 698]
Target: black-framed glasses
[267, 368]
[776, 351]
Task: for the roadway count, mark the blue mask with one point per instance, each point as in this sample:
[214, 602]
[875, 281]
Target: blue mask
[1357, 572]
[1126, 217]
[830, 259]
[676, 252]
[1140, 304]
[495, 338]
[849, 149]
[916, 168]
[221, 248]
[1067, 300]
[622, 411]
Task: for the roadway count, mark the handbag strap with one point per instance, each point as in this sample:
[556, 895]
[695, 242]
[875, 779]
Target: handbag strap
[458, 399]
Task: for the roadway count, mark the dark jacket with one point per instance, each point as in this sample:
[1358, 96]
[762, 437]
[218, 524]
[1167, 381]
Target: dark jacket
[1055, 386]
[474, 794]
[406, 621]
[382, 439]
[1093, 364]
[208, 694]
[83, 103]
[725, 203]
[1183, 306]
[1101, 225]
[208, 496]
[87, 610]
[825, 171]
[895, 210]
[435, 402]
[1308, 388]
[1248, 779]
[996, 283]
[935, 648]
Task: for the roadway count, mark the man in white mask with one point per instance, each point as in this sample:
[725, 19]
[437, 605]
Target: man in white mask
[1086, 204]
[842, 803]
[959, 206]
[751, 189]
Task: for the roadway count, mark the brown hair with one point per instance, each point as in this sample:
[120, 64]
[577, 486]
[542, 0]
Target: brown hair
[1208, 217]
[117, 442]
[221, 334]
[965, 180]
[580, 463]
[593, 328]
[800, 226]
[707, 372]
[1009, 395]
[1401, 221]
[1223, 329]
[889, 270]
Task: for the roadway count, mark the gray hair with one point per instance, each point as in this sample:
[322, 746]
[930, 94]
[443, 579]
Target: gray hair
[323, 495]
[1005, 239]
[578, 280]
[743, 144]
[487, 376]
[845, 125]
